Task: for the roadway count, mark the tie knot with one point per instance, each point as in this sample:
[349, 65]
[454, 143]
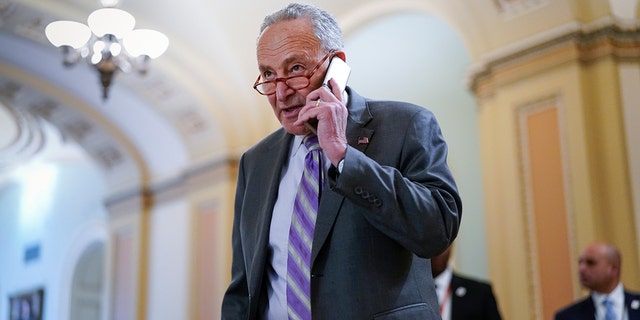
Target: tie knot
[311, 142]
[606, 302]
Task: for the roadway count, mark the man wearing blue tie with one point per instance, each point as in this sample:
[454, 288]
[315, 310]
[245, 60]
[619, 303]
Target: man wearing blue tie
[599, 267]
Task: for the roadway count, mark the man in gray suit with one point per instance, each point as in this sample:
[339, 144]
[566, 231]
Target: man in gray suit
[388, 200]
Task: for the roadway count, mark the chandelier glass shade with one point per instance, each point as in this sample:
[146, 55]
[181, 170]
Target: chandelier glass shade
[108, 42]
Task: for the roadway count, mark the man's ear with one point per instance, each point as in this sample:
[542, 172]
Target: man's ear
[342, 55]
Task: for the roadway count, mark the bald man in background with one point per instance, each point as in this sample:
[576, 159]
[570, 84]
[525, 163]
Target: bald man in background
[462, 298]
[600, 268]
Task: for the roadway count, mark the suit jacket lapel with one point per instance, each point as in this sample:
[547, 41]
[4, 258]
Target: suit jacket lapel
[272, 168]
[330, 204]
[589, 308]
[632, 302]
[455, 299]
[358, 137]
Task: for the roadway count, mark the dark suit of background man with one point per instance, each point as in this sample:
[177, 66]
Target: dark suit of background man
[462, 298]
[389, 200]
[599, 266]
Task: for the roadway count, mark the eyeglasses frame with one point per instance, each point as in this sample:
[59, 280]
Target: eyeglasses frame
[285, 79]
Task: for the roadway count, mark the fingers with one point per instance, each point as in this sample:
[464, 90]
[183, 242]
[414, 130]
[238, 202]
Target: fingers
[335, 89]
[323, 103]
[326, 93]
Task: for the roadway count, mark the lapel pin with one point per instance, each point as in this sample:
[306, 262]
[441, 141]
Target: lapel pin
[363, 140]
[635, 304]
[461, 291]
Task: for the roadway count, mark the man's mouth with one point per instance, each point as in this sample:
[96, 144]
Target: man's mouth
[291, 111]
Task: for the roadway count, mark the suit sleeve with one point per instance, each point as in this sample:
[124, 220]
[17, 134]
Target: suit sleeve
[559, 316]
[404, 185]
[235, 303]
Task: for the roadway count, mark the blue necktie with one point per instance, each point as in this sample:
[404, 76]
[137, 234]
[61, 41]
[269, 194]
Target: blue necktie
[608, 313]
[303, 220]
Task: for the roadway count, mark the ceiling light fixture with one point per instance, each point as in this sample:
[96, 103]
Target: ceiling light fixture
[108, 42]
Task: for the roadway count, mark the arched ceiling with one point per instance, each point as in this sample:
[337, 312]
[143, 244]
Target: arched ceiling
[197, 98]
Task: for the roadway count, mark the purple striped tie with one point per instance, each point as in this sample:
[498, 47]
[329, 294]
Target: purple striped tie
[303, 220]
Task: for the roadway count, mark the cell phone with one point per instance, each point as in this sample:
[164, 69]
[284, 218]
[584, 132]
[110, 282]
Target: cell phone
[340, 72]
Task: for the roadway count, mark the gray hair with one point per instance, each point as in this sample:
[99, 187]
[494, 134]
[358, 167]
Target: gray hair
[325, 26]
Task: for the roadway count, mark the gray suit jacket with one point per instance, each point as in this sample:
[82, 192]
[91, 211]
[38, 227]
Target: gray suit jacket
[394, 205]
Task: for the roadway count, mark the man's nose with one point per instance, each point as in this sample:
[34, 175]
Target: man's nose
[282, 90]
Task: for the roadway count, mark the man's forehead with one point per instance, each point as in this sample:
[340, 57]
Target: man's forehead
[301, 49]
[589, 259]
[283, 45]
[591, 255]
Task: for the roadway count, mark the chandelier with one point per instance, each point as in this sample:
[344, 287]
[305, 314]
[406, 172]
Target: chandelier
[108, 42]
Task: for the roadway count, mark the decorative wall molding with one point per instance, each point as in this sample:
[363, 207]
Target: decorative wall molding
[524, 111]
[510, 9]
[535, 291]
[197, 177]
[28, 137]
[30, 107]
[570, 42]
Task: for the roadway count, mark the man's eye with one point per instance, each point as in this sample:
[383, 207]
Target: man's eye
[297, 68]
[267, 74]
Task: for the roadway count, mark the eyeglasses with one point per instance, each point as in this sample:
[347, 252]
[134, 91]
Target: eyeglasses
[294, 82]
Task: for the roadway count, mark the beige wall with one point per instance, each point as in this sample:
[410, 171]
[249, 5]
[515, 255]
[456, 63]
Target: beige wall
[555, 167]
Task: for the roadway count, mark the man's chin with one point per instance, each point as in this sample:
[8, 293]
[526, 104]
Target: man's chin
[296, 130]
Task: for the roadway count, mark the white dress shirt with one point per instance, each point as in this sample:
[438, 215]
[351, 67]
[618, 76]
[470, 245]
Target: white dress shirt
[443, 290]
[279, 231]
[617, 298]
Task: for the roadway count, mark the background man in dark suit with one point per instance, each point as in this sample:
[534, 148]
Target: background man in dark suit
[462, 298]
[599, 267]
[389, 201]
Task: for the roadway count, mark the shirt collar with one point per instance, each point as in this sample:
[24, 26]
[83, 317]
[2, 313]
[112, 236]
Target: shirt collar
[442, 282]
[297, 144]
[616, 296]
